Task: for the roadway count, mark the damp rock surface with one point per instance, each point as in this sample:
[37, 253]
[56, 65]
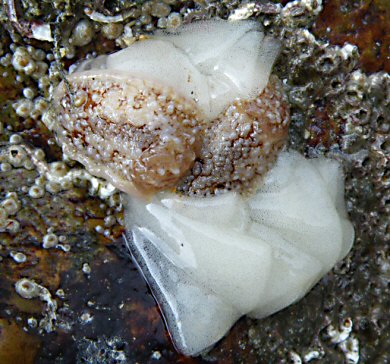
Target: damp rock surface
[339, 108]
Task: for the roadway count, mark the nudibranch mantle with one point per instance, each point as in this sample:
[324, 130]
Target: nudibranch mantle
[142, 117]
[133, 132]
[193, 120]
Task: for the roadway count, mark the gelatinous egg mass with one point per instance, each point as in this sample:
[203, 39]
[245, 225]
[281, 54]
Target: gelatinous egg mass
[211, 260]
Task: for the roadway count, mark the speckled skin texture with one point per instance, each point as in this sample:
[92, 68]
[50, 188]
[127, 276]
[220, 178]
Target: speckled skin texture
[240, 146]
[144, 138]
[336, 110]
[110, 129]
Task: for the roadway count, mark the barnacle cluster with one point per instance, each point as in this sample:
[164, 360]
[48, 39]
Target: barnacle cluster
[8, 209]
[336, 110]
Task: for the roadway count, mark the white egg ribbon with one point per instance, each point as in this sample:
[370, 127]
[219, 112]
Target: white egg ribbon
[211, 260]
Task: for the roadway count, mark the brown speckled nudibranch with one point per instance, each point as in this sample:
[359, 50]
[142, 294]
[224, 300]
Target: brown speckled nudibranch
[204, 117]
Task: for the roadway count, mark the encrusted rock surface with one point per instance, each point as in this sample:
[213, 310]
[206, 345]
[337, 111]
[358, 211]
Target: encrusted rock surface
[83, 300]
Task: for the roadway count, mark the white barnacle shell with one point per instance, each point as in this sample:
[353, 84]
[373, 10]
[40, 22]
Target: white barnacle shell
[211, 260]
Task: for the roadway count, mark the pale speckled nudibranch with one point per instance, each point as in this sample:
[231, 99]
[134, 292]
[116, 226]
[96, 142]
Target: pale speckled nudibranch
[135, 133]
[205, 119]
[240, 146]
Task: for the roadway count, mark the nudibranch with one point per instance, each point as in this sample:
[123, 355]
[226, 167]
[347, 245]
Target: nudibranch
[193, 120]
[141, 117]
